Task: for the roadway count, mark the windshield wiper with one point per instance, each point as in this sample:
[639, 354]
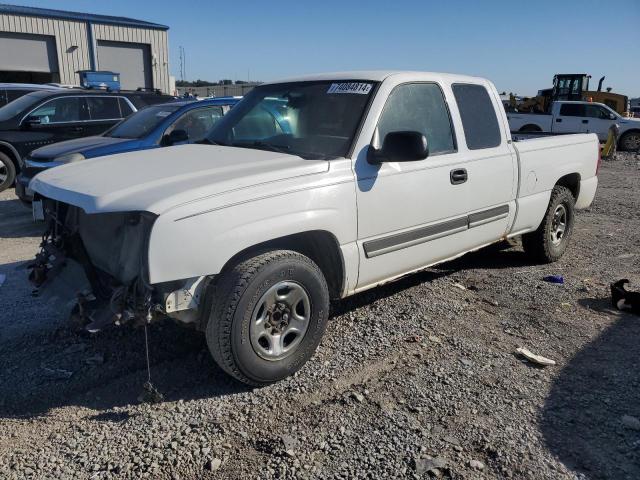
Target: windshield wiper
[263, 146]
[206, 141]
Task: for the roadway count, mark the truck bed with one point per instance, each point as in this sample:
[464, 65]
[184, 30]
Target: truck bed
[542, 160]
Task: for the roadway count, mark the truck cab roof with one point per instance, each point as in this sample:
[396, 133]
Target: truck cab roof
[377, 76]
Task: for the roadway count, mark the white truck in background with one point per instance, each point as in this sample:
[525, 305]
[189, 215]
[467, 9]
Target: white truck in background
[309, 189]
[579, 117]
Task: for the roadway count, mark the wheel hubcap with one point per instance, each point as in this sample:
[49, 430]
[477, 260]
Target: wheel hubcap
[3, 173]
[280, 320]
[559, 224]
[632, 142]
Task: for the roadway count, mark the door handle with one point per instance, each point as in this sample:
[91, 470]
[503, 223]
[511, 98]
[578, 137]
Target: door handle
[585, 121]
[78, 129]
[458, 176]
[558, 120]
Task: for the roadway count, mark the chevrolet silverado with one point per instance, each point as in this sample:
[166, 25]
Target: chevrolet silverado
[310, 189]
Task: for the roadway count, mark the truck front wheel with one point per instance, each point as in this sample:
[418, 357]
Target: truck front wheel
[549, 242]
[267, 317]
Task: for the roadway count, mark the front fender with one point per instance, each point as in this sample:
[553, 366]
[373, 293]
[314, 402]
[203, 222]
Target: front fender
[186, 243]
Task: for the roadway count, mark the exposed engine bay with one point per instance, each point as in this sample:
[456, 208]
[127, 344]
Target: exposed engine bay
[111, 250]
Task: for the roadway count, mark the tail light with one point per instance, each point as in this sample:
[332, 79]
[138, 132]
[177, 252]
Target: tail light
[599, 159]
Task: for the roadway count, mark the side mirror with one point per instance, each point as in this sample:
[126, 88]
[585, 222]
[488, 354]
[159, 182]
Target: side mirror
[400, 147]
[176, 136]
[29, 121]
[612, 116]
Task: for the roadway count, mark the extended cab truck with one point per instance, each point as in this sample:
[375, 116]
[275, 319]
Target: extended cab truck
[248, 235]
[579, 117]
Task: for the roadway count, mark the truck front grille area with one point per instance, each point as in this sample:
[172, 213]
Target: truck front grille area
[114, 243]
[112, 250]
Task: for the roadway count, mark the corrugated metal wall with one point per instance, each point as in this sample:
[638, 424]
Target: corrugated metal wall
[70, 34]
[67, 34]
[156, 38]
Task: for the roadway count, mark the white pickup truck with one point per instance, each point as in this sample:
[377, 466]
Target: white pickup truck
[309, 189]
[579, 117]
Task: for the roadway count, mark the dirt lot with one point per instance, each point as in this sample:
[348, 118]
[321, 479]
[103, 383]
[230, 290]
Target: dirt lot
[415, 379]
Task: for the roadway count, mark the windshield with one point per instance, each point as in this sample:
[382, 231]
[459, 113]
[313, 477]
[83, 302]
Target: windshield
[16, 107]
[316, 120]
[142, 122]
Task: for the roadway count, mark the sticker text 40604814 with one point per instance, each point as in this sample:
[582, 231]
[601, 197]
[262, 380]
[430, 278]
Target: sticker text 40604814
[352, 87]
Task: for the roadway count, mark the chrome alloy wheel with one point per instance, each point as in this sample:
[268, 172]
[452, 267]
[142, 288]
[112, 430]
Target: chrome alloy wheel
[280, 320]
[559, 224]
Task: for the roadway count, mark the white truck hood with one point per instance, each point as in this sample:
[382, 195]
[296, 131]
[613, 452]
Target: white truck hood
[158, 179]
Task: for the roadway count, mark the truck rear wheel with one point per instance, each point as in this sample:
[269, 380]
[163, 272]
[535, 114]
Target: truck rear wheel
[7, 172]
[549, 242]
[268, 316]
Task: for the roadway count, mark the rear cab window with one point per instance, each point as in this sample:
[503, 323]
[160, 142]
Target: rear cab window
[478, 115]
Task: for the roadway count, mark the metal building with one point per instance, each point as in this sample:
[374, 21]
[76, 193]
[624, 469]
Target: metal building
[39, 45]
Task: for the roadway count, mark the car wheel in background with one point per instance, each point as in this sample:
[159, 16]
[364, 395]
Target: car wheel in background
[7, 172]
[549, 242]
[268, 315]
[630, 141]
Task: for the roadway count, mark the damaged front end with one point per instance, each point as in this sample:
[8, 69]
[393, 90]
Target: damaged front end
[110, 252]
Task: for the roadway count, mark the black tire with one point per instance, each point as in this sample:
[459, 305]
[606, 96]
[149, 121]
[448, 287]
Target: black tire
[7, 172]
[630, 141]
[530, 128]
[235, 301]
[540, 245]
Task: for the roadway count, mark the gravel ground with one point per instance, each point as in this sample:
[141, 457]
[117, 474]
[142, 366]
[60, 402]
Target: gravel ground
[417, 379]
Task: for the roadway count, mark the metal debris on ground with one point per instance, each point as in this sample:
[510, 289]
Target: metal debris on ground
[554, 279]
[150, 394]
[537, 359]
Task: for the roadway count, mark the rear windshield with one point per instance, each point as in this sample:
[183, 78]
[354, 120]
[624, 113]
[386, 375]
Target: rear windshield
[142, 122]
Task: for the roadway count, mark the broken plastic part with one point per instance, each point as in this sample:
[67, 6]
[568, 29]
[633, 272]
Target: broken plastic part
[538, 359]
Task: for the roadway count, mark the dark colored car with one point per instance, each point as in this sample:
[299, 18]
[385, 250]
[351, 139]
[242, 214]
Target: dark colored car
[156, 126]
[11, 91]
[49, 116]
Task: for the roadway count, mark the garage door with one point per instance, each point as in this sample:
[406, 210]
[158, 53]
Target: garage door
[131, 60]
[28, 53]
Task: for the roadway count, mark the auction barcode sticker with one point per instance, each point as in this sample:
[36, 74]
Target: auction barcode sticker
[361, 88]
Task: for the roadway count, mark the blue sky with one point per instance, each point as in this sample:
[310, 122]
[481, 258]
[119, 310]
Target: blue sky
[519, 46]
